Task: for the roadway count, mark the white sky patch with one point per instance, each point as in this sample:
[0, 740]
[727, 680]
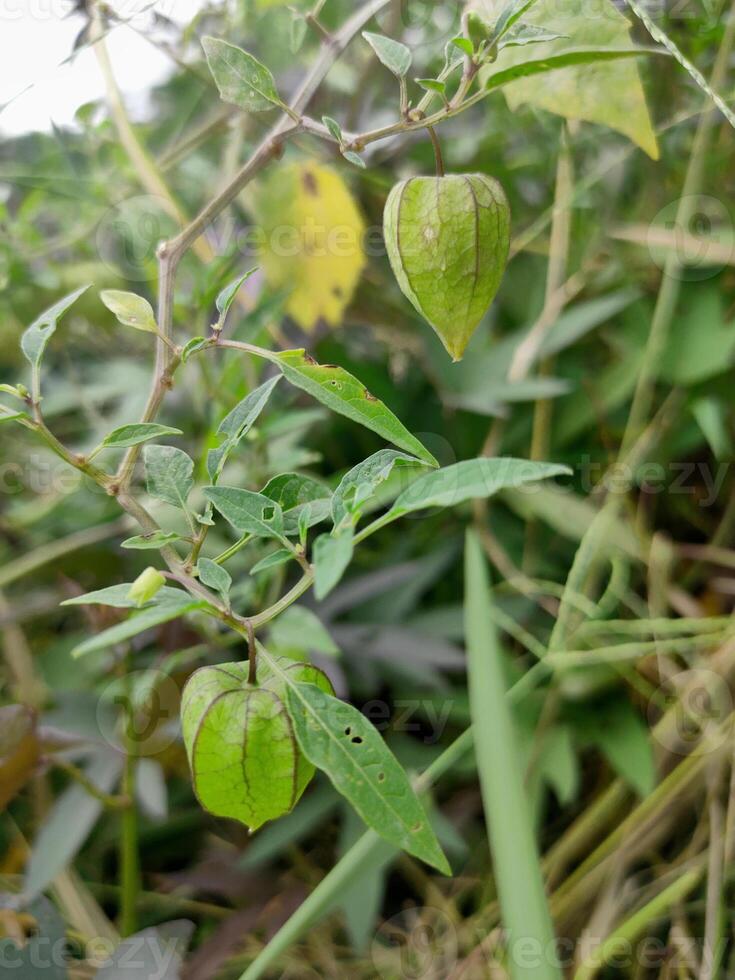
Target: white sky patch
[36, 37]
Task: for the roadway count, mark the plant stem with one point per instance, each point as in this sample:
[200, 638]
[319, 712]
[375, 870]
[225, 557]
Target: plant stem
[437, 151]
[670, 287]
[129, 858]
[139, 157]
[108, 800]
[46, 553]
[506, 805]
[233, 549]
[636, 925]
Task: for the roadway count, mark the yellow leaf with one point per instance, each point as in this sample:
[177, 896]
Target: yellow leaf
[609, 93]
[311, 240]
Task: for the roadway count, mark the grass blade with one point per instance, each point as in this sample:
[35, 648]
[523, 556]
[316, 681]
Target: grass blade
[507, 810]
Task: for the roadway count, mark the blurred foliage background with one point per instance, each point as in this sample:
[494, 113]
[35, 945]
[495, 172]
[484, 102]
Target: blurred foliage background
[620, 808]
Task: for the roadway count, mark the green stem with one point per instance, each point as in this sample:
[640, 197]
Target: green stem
[437, 151]
[233, 549]
[109, 800]
[635, 926]
[670, 288]
[130, 884]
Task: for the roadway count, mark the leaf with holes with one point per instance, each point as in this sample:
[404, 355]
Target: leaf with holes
[248, 511]
[169, 474]
[344, 394]
[241, 79]
[34, 340]
[336, 738]
[245, 760]
[130, 309]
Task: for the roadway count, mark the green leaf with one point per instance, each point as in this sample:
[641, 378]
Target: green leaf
[192, 346]
[118, 596]
[10, 390]
[469, 480]
[135, 434]
[508, 818]
[13, 416]
[227, 297]
[279, 557]
[508, 16]
[169, 474]
[36, 337]
[241, 79]
[68, 824]
[236, 425]
[701, 342]
[354, 158]
[303, 500]
[432, 85]
[298, 629]
[338, 739]
[464, 44]
[331, 555]
[299, 28]
[155, 615]
[611, 94]
[558, 765]
[248, 511]
[527, 34]
[358, 485]
[130, 309]
[711, 416]
[334, 127]
[214, 576]
[245, 761]
[156, 539]
[572, 56]
[395, 56]
[620, 733]
[344, 394]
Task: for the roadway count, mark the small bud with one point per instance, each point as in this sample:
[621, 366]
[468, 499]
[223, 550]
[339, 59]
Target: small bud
[146, 586]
